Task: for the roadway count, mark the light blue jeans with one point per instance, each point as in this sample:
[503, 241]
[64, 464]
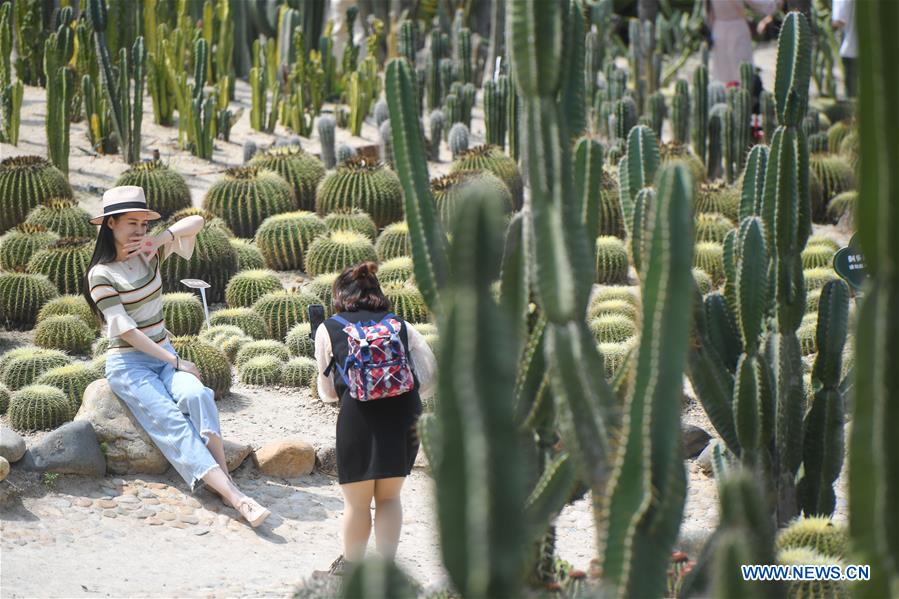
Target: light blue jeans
[174, 407]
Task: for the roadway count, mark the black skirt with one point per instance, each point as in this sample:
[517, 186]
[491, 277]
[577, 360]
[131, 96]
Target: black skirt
[378, 438]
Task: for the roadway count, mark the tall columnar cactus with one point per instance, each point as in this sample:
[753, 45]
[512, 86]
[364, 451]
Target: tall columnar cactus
[657, 112]
[406, 43]
[636, 170]
[873, 479]
[680, 112]
[126, 112]
[326, 126]
[513, 108]
[588, 185]
[437, 122]
[494, 114]
[769, 119]
[740, 100]
[58, 49]
[10, 91]
[625, 117]
[700, 105]
[458, 139]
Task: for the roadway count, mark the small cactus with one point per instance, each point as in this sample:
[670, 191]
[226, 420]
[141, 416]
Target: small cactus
[166, 190]
[621, 307]
[815, 256]
[393, 242]
[802, 557]
[263, 347]
[64, 263]
[818, 533]
[712, 227]
[212, 363]
[247, 196]
[183, 313]
[25, 182]
[299, 372]
[18, 245]
[458, 139]
[815, 278]
[75, 305]
[38, 407]
[344, 152]
[356, 221]
[326, 125]
[298, 341]
[72, 380]
[614, 357]
[491, 158]
[611, 261]
[703, 281]
[396, 270]
[358, 184]
[248, 255]
[249, 150]
[718, 198]
[302, 170]
[449, 190]
[261, 370]
[321, 287]
[22, 296]
[338, 250]
[406, 302]
[613, 328]
[66, 332]
[23, 368]
[281, 310]
[709, 256]
[62, 216]
[248, 286]
[840, 205]
[247, 319]
[226, 338]
[285, 239]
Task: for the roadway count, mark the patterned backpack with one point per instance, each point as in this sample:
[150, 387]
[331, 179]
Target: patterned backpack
[376, 364]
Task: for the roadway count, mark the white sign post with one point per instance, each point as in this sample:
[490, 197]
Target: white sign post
[202, 286]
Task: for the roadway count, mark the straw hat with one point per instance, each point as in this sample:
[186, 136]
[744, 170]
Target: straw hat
[124, 198]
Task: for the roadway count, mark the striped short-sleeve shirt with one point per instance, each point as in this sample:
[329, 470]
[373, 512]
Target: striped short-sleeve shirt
[129, 293]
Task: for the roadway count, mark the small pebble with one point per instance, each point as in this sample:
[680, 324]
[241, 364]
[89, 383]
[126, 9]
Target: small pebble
[83, 502]
[106, 503]
[109, 513]
[167, 516]
[154, 521]
[143, 513]
[189, 519]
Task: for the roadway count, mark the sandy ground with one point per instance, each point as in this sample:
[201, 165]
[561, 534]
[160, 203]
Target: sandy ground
[85, 551]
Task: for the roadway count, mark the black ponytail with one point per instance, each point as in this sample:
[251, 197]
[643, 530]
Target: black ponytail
[104, 252]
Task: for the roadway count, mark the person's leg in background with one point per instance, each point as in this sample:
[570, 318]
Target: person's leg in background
[356, 518]
[850, 67]
[388, 514]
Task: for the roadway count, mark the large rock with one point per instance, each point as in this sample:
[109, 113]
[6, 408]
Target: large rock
[71, 449]
[704, 461]
[287, 458]
[695, 439]
[12, 445]
[236, 453]
[129, 449]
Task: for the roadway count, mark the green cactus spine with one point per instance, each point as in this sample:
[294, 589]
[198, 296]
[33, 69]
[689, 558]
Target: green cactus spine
[58, 49]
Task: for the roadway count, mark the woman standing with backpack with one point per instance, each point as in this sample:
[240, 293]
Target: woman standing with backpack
[378, 367]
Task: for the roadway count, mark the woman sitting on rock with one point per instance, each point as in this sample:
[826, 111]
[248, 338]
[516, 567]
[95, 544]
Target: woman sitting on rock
[378, 366]
[165, 394]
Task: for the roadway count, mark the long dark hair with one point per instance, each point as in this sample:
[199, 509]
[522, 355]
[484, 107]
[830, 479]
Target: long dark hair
[104, 252]
[357, 288]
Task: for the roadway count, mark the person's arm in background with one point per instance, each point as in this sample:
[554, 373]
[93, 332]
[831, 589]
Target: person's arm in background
[839, 16]
[423, 362]
[767, 8]
[324, 384]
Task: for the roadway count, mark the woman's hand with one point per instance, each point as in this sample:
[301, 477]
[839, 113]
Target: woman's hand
[188, 366]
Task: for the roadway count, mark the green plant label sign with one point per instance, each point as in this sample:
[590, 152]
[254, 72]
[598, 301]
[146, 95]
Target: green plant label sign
[850, 264]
